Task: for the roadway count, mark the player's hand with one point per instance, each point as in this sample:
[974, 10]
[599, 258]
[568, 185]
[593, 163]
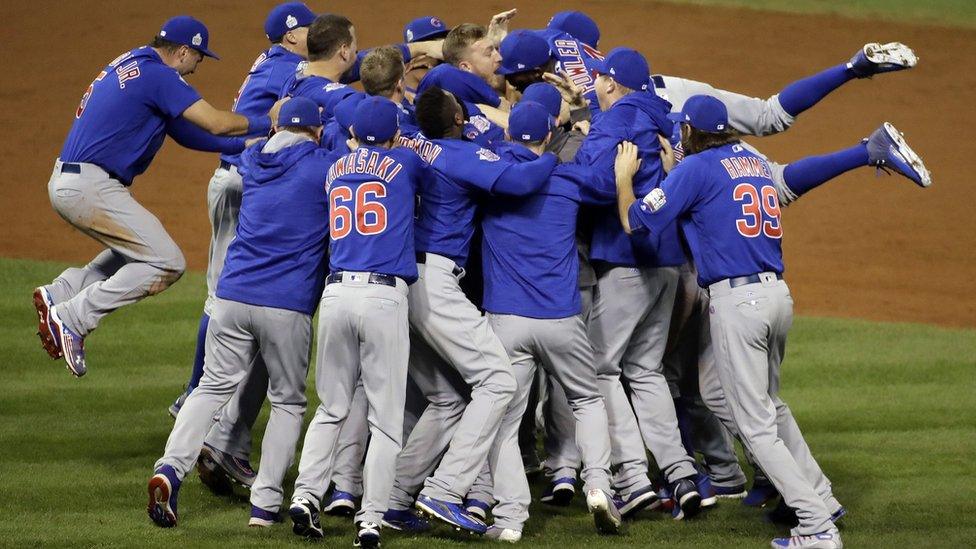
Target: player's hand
[583, 126]
[420, 61]
[570, 92]
[273, 113]
[252, 141]
[627, 163]
[667, 153]
[434, 49]
[352, 143]
[498, 27]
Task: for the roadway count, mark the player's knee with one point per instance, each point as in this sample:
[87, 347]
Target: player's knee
[170, 270]
[502, 383]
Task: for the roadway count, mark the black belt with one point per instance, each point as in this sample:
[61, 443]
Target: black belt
[225, 165]
[658, 81]
[422, 260]
[374, 278]
[751, 279]
[75, 168]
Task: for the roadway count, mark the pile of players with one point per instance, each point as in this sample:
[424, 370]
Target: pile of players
[500, 225]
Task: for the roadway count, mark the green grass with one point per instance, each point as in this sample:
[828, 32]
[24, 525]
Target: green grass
[887, 408]
[956, 13]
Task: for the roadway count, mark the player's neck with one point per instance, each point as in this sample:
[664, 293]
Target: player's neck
[326, 68]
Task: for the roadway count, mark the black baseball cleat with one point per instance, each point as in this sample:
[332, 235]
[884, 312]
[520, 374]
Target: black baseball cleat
[367, 535]
[305, 519]
[687, 499]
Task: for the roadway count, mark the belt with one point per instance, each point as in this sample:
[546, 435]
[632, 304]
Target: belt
[751, 279]
[75, 168]
[422, 260]
[374, 278]
[658, 81]
[225, 165]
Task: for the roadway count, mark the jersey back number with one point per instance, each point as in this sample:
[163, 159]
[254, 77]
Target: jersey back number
[364, 211]
[760, 211]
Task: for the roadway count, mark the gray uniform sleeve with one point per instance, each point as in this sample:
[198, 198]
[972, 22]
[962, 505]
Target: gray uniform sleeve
[749, 115]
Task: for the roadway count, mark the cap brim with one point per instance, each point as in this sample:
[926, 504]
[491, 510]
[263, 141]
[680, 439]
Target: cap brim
[505, 71]
[598, 66]
[677, 117]
[437, 35]
[208, 53]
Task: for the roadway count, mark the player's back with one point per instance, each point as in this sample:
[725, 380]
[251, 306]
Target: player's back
[323, 91]
[735, 229]
[572, 56]
[120, 123]
[529, 256]
[372, 192]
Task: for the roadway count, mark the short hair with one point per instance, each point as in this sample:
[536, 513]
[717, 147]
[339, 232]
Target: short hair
[435, 112]
[161, 43]
[699, 141]
[327, 34]
[459, 39]
[381, 71]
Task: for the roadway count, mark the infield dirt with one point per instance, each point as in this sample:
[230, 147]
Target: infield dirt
[867, 247]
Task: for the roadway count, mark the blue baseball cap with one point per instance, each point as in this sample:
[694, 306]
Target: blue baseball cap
[523, 50]
[703, 112]
[345, 110]
[626, 66]
[188, 31]
[546, 95]
[377, 120]
[578, 25]
[285, 17]
[529, 121]
[423, 28]
[299, 111]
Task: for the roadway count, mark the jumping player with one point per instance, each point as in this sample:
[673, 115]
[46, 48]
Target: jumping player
[99, 160]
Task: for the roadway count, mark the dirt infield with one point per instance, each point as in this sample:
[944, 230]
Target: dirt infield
[863, 247]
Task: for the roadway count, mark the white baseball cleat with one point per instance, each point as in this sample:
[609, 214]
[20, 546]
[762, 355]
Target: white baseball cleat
[875, 58]
[823, 540]
[503, 534]
[605, 513]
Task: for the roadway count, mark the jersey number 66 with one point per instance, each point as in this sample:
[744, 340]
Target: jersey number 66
[370, 214]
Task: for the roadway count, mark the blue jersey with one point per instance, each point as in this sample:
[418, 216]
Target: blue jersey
[571, 57]
[480, 130]
[120, 123]
[638, 117]
[529, 256]
[263, 85]
[323, 91]
[372, 192]
[278, 258]
[728, 207]
[465, 85]
[446, 222]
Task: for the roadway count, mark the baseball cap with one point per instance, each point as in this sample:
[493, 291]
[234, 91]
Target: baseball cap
[703, 112]
[529, 121]
[345, 110]
[546, 95]
[626, 66]
[299, 111]
[578, 25]
[285, 17]
[376, 120]
[188, 31]
[423, 28]
[522, 50]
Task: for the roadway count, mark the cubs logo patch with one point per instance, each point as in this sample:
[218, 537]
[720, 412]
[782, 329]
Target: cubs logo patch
[197, 39]
[487, 156]
[654, 201]
[435, 22]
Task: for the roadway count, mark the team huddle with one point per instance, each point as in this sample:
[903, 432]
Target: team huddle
[505, 234]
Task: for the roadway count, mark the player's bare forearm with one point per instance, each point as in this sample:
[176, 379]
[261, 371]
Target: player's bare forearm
[496, 115]
[216, 121]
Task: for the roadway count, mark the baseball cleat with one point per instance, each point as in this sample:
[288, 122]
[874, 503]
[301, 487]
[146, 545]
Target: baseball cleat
[786, 515]
[875, 58]
[405, 520]
[43, 304]
[708, 496]
[643, 498]
[174, 408]
[887, 149]
[730, 492]
[823, 540]
[560, 492]
[477, 508]
[687, 499]
[606, 517]
[367, 535]
[451, 513]
[263, 518]
[838, 514]
[72, 345]
[305, 518]
[341, 504]
[163, 489]
[219, 470]
[503, 534]
[761, 493]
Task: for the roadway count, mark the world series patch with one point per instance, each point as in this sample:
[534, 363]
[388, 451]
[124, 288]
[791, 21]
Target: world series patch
[654, 201]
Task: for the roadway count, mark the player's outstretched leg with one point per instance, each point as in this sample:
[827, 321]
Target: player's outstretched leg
[887, 149]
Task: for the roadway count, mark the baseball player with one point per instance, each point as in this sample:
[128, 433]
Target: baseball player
[363, 330]
[452, 337]
[100, 158]
[266, 296]
[421, 29]
[533, 305]
[286, 26]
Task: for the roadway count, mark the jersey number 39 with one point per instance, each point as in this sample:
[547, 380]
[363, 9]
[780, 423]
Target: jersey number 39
[370, 215]
[760, 210]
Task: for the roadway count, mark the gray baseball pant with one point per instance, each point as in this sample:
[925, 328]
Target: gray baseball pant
[236, 334]
[562, 348]
[749, 326]
[362, 334]
[453, 327]
[141, 259]
[629, 329]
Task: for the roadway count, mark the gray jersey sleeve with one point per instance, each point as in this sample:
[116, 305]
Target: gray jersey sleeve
[749, 115]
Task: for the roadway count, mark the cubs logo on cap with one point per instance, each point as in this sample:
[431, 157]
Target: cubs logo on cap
[424, 28]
